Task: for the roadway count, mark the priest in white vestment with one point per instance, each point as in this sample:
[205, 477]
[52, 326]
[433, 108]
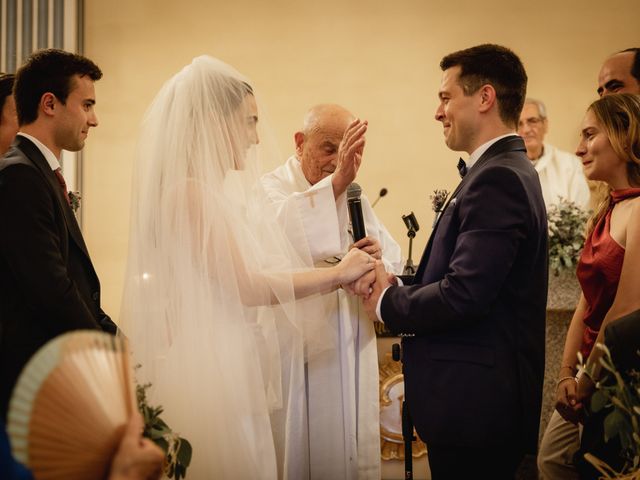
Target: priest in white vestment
[342, 381]
[560, 172]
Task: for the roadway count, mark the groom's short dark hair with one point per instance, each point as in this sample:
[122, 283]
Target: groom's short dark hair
[48, 71]
[497, 66]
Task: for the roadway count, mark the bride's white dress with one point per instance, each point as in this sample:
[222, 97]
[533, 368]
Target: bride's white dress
[206, 256]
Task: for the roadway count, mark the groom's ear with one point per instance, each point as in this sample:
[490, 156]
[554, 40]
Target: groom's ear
[488, 97]
[48, 103]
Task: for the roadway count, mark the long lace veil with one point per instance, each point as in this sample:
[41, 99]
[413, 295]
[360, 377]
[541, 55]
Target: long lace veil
[205, 256]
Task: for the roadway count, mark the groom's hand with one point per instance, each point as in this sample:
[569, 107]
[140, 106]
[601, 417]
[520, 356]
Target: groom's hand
[362, 286]
[382, 281]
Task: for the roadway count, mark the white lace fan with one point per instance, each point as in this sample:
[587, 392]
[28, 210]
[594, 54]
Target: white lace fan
[70, 406]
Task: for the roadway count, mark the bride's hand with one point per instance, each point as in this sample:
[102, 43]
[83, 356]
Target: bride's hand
[354, 264]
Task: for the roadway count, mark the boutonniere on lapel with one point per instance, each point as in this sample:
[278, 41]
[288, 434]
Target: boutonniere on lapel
[74, 200]
[438, 199]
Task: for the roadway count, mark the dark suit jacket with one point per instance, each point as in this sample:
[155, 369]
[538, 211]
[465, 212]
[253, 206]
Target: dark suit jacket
[47, 283]
[622, 336]
[474, 370]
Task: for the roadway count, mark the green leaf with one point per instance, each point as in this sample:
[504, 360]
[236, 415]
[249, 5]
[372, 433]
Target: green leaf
[185, 452]
[181, 471]
[598, 401]
[162, 443]
[159, 432]
[157, 427]
[613, 424]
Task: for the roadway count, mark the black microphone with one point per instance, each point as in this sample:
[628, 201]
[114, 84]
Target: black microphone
[383, 192]
[355, 211]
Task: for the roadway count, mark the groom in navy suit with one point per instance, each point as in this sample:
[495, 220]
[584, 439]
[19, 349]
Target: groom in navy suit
[474, 319]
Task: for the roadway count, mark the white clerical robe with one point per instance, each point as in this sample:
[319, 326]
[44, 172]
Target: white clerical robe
[342, 382]
[561, 175]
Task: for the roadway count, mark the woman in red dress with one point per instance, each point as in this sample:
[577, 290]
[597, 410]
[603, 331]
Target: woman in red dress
[610, 152]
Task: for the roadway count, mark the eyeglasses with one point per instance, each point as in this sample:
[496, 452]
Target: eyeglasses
[530, 122]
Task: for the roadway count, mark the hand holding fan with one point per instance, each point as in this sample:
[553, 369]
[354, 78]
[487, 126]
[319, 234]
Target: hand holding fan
[70, 406]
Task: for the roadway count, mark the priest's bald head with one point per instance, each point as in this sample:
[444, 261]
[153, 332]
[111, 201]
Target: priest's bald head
[620, 73]
[318, 142]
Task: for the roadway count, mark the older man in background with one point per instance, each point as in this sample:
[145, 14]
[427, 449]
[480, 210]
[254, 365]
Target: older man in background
[620, 73]
[560, 172]
[309, 194]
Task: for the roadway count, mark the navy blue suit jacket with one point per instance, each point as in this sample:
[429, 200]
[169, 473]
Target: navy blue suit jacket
[48, 285]
[475, 367]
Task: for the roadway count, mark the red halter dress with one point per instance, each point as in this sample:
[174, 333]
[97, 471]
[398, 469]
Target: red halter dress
[599, 271]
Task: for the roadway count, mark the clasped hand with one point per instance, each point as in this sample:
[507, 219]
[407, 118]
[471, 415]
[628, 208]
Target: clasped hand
[571, 395]
[371, 284]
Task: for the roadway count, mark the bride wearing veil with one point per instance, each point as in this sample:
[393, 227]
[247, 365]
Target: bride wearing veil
[212, 283]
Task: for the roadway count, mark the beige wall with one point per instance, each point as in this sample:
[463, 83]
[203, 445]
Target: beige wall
[378, 58]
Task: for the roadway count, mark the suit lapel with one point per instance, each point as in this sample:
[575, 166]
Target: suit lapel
[35, 155]
[425, 255]
[511, 143]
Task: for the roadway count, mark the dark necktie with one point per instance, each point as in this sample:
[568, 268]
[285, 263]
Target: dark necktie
[63, 184]
[462, 168]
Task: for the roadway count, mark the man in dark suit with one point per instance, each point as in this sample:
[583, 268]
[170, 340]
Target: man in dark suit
[475, 316]
[622, 337]
[48, 285]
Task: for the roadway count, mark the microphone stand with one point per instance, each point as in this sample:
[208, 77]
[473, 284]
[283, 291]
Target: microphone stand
[407, 423]
[411, 223]
[409, 267]
[409, 272]
[383, 192]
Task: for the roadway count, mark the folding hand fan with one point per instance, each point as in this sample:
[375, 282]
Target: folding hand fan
[70, 406]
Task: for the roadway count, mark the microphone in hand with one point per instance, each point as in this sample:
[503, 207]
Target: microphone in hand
[354, 205]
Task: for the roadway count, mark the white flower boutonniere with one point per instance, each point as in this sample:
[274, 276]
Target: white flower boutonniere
[74, 200]
[438, 200]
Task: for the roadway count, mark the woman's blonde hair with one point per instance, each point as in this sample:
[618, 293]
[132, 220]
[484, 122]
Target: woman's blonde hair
[619, 116]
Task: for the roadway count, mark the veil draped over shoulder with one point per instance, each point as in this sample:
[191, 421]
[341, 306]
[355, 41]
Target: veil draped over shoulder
[206, 261]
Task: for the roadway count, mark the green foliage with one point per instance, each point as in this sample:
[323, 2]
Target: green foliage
[177, 450]
[566, 234]
[620, 395]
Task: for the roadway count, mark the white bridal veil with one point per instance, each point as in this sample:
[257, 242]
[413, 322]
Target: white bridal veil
[206, 257]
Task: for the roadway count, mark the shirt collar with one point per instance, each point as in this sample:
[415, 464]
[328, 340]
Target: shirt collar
[477, 153]
[543, 159]
[53, 162]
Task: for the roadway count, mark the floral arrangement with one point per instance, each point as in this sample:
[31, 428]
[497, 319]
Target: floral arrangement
[622, 399]
[177, 449]
[566, 223]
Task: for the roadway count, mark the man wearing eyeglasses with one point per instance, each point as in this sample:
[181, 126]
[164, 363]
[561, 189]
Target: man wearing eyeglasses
[560, 172]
